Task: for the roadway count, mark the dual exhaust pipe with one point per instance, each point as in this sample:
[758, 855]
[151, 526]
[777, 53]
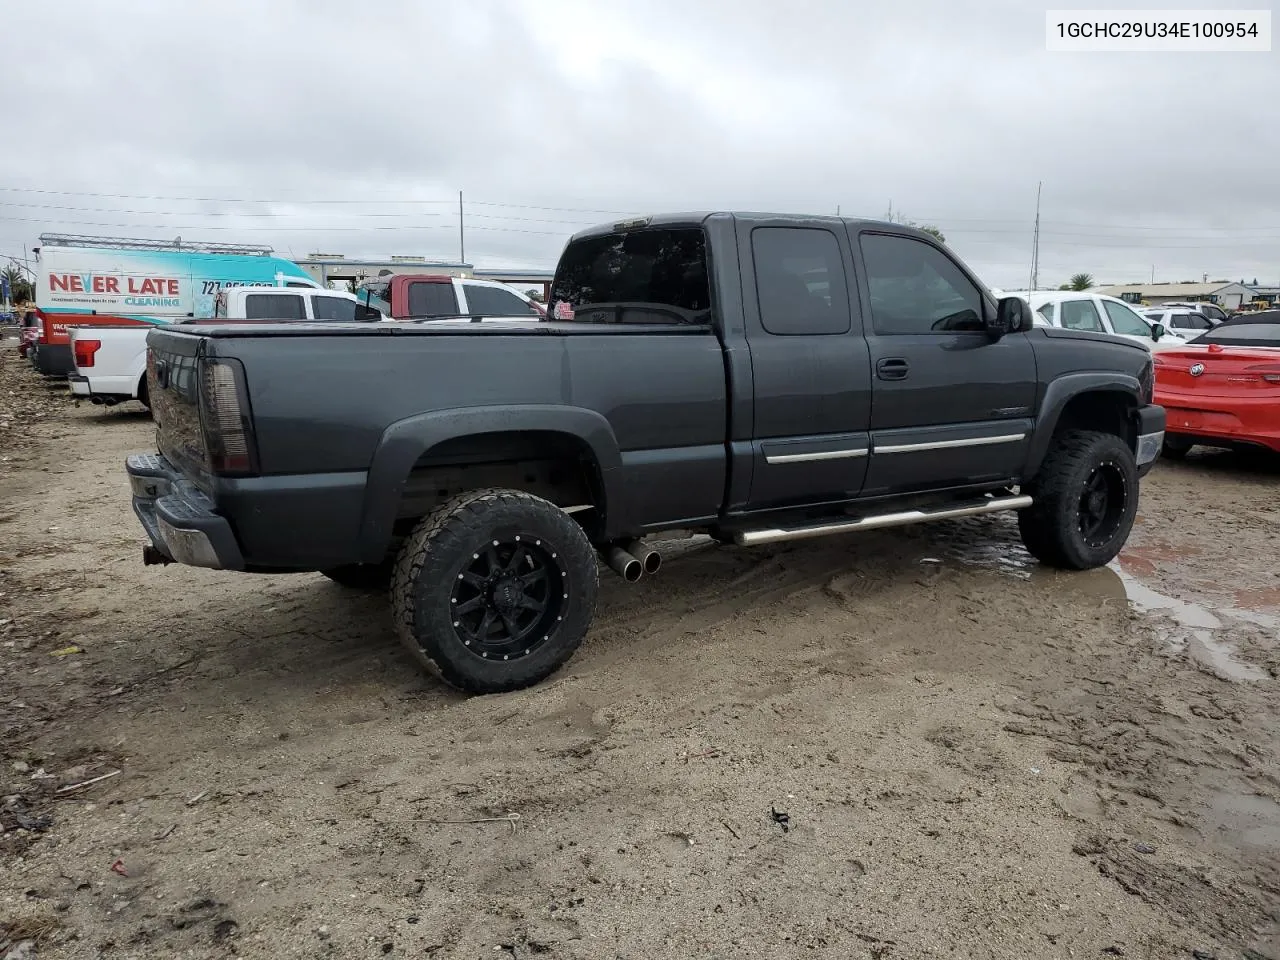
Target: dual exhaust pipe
[632, 560]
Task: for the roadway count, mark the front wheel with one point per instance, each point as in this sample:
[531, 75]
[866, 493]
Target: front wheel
[1085, 500]
[495, 590]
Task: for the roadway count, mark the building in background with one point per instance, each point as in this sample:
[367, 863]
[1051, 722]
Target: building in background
[339, 270]
[1227, 295]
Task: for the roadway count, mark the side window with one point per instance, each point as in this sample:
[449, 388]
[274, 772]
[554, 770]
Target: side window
[1124, 321]
[428, 299]
[1046, 311]
[917, 289]
[800, 281]
[496, 302]
[265, 306]
[333, 308]
[1196, 321]
[1081, 315]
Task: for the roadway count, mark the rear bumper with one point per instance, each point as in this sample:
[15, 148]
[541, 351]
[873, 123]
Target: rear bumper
[179, 517]
[257, 524]
[79, 385]
[54, 359]
[1225, 423]
[102, 389]
[1151, 425]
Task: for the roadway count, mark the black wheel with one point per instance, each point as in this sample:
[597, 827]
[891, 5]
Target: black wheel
[495, 590]
[144, 397]
[1085, 498]
[1175, 447]
[362, 576]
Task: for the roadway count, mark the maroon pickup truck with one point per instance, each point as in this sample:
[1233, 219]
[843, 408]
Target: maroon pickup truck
[420, 295]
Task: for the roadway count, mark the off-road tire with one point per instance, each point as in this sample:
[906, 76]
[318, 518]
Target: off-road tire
[362, 576]
[445, 543]
[1175, 447]
[1051, 526]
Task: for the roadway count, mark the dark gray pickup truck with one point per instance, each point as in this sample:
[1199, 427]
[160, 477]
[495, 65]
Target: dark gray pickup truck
[757, 377]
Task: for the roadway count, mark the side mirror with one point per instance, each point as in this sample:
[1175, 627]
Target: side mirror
[366, 312]
[1013, 315]
[1157, 331]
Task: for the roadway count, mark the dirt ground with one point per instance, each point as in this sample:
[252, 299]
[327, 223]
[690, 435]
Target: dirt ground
[908, 744]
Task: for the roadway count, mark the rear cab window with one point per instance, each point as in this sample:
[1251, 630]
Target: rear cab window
[429, 298]
[269, 306]
[650, 275]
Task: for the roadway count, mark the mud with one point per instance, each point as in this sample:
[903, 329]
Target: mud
[903, 744]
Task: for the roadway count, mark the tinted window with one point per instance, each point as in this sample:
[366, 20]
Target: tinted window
[427, 299]
[1191, 321]
[1046, 310]
[1256, 332]
[266, 306]
[665, 268]
[914, 288]
[1080, 315]
[333, 308]
[1214, 313]
[496, 302]
[1124, 321]
[800, 281]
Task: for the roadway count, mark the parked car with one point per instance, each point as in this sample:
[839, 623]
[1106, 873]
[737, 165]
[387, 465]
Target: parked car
[1210, 311]
[1096, 313]
[1187, 324]
[83, 281]
[111, 362]
[403, 296]
[707, 381]
[1223, 388]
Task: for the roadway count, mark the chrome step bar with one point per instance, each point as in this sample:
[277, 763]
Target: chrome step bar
[751, 538]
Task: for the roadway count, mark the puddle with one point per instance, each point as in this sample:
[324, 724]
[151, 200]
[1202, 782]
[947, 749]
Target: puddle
[1201, 645]
[1244, 820]
[994, 544]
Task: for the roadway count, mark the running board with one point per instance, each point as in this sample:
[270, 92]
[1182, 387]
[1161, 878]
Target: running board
[751, 538]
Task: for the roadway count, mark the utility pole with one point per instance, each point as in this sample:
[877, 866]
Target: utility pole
[1153, 274]
[462, 237]
[1035, 243]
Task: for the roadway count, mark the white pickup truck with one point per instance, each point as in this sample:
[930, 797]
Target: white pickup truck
[111, 362]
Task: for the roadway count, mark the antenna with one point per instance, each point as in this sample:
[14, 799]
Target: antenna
[1035, 243]
[462, 239]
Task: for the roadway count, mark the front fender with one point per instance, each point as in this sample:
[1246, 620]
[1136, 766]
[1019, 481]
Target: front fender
[1060, 392]
[405, 441]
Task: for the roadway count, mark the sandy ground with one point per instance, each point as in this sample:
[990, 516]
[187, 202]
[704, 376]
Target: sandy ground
[897, 745]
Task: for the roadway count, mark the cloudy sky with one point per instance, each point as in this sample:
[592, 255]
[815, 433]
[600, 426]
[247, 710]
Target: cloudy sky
[351, 127]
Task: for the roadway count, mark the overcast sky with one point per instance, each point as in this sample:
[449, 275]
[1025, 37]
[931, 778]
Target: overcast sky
[350, 127]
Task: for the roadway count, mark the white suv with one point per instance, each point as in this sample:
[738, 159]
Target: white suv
[1097, 313]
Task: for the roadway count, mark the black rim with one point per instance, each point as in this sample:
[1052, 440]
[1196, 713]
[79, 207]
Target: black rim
[507, 600]
[1102, 504]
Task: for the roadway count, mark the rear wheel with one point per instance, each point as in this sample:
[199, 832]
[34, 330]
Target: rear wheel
[495, 590]
[1085, 499]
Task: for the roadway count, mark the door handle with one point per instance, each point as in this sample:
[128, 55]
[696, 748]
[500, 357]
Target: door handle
[892, 368]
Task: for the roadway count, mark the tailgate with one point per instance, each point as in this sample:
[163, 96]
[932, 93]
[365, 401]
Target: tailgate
[173, 386]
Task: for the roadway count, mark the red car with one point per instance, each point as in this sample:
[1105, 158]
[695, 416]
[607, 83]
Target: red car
[1223, 388]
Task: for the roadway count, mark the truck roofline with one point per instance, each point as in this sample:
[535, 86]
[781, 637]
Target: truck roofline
[698, 218]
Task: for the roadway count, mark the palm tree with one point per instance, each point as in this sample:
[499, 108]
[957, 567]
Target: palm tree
[19, 286]
[1080, 281]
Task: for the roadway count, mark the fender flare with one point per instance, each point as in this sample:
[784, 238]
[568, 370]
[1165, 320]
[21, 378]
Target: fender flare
[1062, 391]
[404, 442]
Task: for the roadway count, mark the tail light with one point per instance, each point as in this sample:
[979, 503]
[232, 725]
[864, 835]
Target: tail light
[224, 408]
[1269, 372]
[46, 327]
[1147, 381]
[85, 350]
